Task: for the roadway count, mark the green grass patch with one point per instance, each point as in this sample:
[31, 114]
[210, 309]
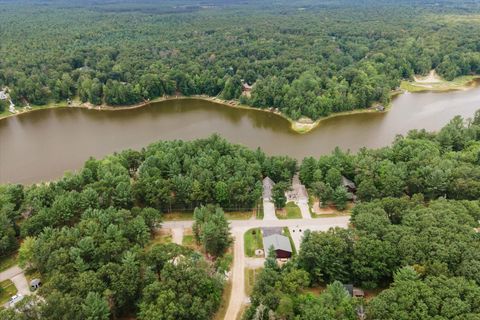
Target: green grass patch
[259, 214]
[251, 276]
[7, 290]
[286, 233]
[8, 262]
[227, 292]
[253, 240]
[159, 239]
[239, 215]
[188, 240]
[291, 211]
[178, 216]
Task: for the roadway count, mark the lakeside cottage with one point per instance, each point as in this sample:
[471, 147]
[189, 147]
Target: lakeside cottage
[280, 244]
[349, 185]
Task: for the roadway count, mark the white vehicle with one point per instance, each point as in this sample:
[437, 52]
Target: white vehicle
[15, 299]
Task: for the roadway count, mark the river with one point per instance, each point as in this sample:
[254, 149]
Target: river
[41, 145]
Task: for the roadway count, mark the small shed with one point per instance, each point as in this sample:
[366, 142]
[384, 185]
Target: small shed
[267, 188]
[35, 284]
[280, 244]
[349, 184]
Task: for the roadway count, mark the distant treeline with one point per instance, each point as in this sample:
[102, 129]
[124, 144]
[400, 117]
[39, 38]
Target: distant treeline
[328, 58]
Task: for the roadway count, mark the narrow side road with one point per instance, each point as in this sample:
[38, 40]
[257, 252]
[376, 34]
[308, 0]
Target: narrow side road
[238, 296]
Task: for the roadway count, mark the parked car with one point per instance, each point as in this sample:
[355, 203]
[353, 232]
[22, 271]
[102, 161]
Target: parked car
[15, 299]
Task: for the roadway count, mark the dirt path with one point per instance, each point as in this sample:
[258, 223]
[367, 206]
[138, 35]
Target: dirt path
[238, 296]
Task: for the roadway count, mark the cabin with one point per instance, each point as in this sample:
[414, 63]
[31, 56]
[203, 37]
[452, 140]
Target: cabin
[354, 292]
[267, 189]
[280, 244]
[349, 185]
[380, 108]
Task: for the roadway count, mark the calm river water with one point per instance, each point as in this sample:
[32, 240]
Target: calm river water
[41, 145]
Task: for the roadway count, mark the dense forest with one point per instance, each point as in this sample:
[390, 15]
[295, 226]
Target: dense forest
[306, 58]
[413, 234]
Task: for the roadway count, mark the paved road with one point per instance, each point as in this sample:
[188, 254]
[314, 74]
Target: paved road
[329, 222]
[238, 296]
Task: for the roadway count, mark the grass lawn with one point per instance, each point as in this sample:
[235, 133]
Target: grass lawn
[329, 211]
[227, 292]
[239, 215]
[291, 211]
[188, 240]
[182, 216]
[253, 240]
[250, 278]
[8, 261]
[178, 216]
[7, 291]
[286, 233]
[159, 238]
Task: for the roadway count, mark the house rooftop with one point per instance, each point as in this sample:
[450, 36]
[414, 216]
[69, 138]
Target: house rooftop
[270, 231]
[348, 183]
[278, 242]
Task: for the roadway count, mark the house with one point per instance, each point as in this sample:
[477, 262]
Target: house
[349, 185]
[280, 244]
[267, 189]
[246, 87]
[3, 95]
[354, 292]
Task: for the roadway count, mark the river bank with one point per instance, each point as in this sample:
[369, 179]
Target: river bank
[432, 82]
[301, 126]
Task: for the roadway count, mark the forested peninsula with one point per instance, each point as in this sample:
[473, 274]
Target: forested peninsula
[303, 59]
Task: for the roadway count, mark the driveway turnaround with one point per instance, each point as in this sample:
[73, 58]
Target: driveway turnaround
[16, 275]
